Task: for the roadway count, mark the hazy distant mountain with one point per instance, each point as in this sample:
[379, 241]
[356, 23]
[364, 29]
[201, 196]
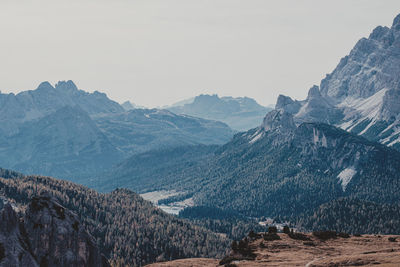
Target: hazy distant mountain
[240, 113]
[66, 143]
[66, 132]
[128, 105]
[35, 104]
[140, 130]
[362, 95]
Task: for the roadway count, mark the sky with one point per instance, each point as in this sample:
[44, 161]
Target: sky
[157, 52]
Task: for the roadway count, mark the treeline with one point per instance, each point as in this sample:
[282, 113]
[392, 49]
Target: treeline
[128, 229]
[353, 216]
[230, 223]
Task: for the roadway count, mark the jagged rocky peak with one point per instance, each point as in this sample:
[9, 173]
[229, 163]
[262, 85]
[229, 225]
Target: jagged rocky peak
[278, 120]
[128, 105]
[316, 108]
[288, 104]
[379, 33]
[45, 86]
[48, 235]
[66, 85]
[396, 22]
[314, 92]
[362, 93]
[372, 65]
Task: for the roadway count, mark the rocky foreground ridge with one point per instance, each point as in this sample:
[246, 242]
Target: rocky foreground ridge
[317, 249]
[47, 235]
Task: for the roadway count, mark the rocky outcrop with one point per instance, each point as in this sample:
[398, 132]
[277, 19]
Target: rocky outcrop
[14, 248]
[288, 104]
[48, 235]
[278, 120]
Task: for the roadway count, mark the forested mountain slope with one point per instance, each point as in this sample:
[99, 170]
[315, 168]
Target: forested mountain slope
[153, 169]
[128, 230]
[281, 169]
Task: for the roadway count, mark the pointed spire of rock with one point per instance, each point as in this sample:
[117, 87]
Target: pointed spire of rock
[314, 92]
[287, 104]
[396, 22]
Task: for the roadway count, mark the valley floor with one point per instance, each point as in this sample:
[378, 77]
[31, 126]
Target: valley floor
[367, 250]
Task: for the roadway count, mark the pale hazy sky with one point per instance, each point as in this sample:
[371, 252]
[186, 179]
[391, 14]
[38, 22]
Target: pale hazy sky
[159, 52]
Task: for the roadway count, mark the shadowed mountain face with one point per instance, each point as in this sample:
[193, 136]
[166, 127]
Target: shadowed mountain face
[240, 113]
[66, 132]
[362, 94]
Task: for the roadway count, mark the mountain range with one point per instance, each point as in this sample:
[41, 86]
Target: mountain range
[331, 161]
[337, 146]
[66, 132]
[241, 113]
[277, 169]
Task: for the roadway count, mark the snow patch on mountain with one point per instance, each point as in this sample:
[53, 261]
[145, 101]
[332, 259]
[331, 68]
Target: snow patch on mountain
[319, 139]
[345, 176]
[256, 136]
[359, 110]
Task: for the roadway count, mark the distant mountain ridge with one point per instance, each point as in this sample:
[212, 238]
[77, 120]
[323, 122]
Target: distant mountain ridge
[241, 113]
[64, 143]
[46, 99]
[68, 133]
[362, 94]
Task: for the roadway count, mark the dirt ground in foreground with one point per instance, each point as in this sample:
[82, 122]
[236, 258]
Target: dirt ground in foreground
[367, 250]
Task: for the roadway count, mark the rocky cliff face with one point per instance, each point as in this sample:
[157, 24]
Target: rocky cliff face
[49, 235]
[362, 94]
[14, 248]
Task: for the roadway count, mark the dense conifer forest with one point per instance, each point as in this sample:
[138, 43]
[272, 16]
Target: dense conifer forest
[128, 230]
